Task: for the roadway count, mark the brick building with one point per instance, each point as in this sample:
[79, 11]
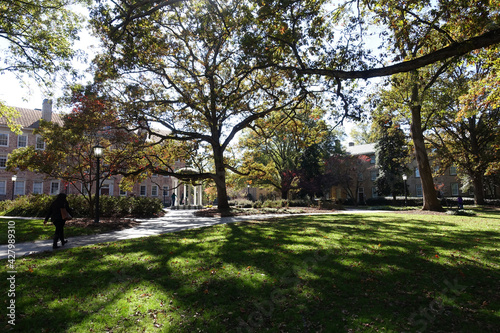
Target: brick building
[27, 182]
[447, 183]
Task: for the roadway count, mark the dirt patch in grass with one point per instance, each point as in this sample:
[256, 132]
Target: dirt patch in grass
[108, 223]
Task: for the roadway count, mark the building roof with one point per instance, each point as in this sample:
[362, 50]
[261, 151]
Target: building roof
[30, 118]
[368, 149]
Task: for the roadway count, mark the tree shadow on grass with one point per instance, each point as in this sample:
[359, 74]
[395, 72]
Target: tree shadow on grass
[304, 274]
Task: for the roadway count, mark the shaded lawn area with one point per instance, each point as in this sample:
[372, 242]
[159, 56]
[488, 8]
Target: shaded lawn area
[328, 273]
[30, 230]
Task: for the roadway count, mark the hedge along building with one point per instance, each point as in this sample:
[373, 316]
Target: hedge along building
[27, 182]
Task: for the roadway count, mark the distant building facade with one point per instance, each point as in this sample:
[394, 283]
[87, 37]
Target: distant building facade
[27, 182]
[447, 184]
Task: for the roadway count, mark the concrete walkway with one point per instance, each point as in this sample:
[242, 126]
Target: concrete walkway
[174, 220]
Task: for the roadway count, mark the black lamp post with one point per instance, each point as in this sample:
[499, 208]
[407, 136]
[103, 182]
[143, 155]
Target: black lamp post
[405, 177]
[14, 178]
[97, 153]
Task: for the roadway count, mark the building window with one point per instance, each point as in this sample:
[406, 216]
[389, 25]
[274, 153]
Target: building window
[360, 176]
[22, 141]
[374, 175]
[453, 170]
[3, 161]
[123, 193]
[104, 189]
[374, 192]
[37, 187]
[165, 190]
[418, 190]
[4, 139]
[454, 189]
[372, 159]
[361, 194]
[54, 187]
[3, 187]
[143, 191]
[417, 173]
[154, 190]
[40, 144]
[19, 187]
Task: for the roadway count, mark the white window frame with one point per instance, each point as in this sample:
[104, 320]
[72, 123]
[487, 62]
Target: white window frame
[417, 173]
[7, 137]
[20, 187]
[453, 170]
[22, 137]
[39, 140]
[455, 190]
[35, 183]
[3, 161]
[3, 187]
[52, 189]
[154, 190]
[374, 174]
[123, 193]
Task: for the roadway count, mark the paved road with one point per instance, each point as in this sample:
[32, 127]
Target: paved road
[175, 220]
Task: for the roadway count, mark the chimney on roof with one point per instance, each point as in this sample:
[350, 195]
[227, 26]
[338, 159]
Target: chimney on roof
[351, 144]
[47, 110]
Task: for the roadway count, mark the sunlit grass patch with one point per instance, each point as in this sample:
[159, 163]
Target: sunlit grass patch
[331, 273]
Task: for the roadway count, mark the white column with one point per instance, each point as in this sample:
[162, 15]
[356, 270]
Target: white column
[184, 194]
[200, 195]
[195, 195]
[175, 183]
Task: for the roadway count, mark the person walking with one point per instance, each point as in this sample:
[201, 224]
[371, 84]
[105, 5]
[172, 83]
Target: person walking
[59, 212]
[173, 199]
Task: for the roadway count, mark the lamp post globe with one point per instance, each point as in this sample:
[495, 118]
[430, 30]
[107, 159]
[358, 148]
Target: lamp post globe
[405, 177]
[14, 178]
[97, 150]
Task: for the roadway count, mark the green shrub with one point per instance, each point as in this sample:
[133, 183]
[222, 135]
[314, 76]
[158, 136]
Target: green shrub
[243, 203]
[146, 207]
[37, 205]
[79, 205]
[275, 203]
[300, 203]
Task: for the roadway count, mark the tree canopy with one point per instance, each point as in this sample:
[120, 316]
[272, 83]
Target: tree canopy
[68, 151]
[36, 39]
[182, 69]
[205, 70]
[38, 36]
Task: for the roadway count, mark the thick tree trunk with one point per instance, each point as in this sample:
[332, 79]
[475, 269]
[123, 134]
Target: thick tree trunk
[431, 201]
[220, 182]
[478, 189]
[284, 194]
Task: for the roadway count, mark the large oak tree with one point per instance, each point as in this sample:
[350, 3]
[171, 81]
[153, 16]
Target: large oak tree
[180, 74]
[314, 38]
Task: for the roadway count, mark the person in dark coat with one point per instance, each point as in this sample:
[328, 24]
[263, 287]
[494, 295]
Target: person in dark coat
[56, 217]
[173, 199]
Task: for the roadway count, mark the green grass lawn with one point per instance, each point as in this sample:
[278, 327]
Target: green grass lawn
[329, 273]
[30, 230]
